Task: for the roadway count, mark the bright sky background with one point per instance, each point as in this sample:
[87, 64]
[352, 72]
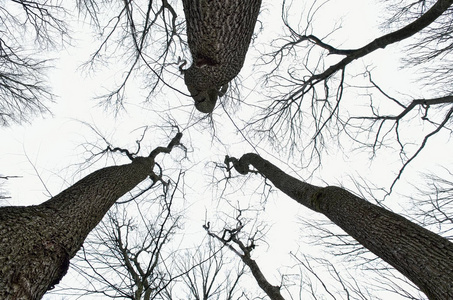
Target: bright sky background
[50, 146]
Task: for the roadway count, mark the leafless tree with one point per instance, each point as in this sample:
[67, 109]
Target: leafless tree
[312, 82]
[307, 96]
[309, 278]
[37, 242]
[146, 36]
[124, 257]
[231, 238]
[317, 277]
[130, 258]
[419, 254]
[345, 268]
[433, 45]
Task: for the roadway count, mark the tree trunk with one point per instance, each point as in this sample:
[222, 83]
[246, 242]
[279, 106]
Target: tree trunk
[419, 254]
[37, 242]
[218, 33]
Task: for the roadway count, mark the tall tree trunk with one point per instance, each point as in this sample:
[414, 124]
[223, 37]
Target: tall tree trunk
[419, 254]
[218, 33]
[37, 242]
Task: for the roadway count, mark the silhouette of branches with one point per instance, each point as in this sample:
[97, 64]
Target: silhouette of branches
[145, 36]
[311, 82]
[27, 28]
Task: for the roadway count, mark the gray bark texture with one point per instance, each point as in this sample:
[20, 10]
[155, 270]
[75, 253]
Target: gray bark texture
[218, 33]
[422, 256]
[37, 242]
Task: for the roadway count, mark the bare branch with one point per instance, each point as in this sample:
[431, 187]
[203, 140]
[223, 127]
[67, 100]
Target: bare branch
[23, 91]
[229, 238]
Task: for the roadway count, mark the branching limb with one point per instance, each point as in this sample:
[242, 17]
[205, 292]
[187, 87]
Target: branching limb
[425, 20]
[440, 7]
[426, 111]
[315, 91]
[229, 237]
[147, 35]
[174, 142]
[9, 177]
[433, 206]
[423, 144]
[23, 92]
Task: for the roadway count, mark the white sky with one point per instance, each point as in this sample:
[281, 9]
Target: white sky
[52, 144]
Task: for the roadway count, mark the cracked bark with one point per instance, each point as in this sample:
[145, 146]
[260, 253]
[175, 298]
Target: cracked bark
[419, 254]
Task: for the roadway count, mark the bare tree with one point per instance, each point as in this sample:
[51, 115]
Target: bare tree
[421, 255]
[432, 48]
[131, 257]
[146, 37]
[37, 242]
[231, 238]
[125, 256]
[333, 274]
[311, 88]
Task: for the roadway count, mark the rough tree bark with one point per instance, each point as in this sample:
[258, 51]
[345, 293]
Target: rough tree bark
[419, 254]
[218, 34]
[37, 242]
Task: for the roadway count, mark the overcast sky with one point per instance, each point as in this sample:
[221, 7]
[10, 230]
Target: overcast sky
[47, 153]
